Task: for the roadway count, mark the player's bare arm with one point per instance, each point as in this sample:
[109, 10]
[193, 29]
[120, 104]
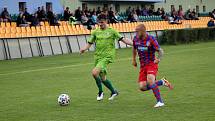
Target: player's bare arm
[126, 41]
[160, 55]
[134, 62]
[85, 48]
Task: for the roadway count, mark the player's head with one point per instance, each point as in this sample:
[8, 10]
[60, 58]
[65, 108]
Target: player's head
[141, 30]
[103, 23]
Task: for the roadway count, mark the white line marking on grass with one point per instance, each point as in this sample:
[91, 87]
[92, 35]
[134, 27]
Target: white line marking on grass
[45, 69]
[78, 65]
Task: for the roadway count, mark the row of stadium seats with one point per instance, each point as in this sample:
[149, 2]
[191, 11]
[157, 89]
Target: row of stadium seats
[15, 16]
[14, 32]
[11, 31]
[146, 18]
[13, 24]
[205, 14]
[150, 18]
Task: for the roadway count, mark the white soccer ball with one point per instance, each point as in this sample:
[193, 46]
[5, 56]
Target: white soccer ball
[63, 99]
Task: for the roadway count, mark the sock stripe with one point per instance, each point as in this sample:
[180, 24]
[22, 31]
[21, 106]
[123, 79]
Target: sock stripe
[156, 92]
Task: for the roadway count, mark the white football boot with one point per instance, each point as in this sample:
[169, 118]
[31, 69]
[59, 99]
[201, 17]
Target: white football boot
[113, 95]
[100, 96]
[159, 104]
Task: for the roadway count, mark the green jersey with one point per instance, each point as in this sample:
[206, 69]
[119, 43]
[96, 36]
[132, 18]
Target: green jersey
[105, 43]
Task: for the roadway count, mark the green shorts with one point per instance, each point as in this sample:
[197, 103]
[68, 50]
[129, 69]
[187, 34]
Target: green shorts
[102, 64]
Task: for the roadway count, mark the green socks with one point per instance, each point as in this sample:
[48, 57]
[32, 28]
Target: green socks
[108, 84]
[99, 83]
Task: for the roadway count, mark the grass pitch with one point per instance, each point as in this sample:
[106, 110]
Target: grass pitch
[29, 88]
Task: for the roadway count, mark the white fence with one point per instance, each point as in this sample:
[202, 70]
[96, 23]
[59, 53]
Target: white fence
[46, 46]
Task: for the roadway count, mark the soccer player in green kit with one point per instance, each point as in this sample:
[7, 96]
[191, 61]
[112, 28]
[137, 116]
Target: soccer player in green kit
[104, 38]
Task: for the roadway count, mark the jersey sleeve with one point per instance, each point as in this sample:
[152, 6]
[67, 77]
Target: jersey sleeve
[117, 35]
[92, 38]
[134, 42]
[155, 44]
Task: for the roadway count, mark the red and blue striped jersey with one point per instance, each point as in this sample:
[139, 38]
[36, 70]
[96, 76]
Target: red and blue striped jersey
[146, 48]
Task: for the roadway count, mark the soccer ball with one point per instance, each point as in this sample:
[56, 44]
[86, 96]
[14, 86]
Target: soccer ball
[63, 99]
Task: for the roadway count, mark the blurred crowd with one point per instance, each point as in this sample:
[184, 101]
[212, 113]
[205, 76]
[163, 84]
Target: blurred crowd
[25, 19]
[89, 17]
[212, 14]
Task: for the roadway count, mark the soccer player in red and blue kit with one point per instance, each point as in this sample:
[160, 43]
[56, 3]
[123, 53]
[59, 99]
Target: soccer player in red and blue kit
[146, 46]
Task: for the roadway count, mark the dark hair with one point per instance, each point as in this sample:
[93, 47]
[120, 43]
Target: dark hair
[102, 17]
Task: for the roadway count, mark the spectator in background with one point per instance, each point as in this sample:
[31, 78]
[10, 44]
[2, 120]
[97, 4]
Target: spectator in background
[102, 15]
[194, 12]
[21, 20]
[41, 13]
[88, 13]
[151, 11]
[128, 11]
[111, 16]
[35, 20]
[52, 19]
[72, 19]
[133, 10]
[94, 10]
[105, 9]
[188, 14]
[5, 15]
[192, 16]
[145, 11]
[211, 23]
[66, 14]
[135, 17]
[138, 11]
[212, 14]
[85, 10]
[27, 15]
[158, 12]
[38, 12]
[94, 18]
[174, 19]
[181, 13]
[98, 11]
[173, 11]
[86, 21]
[111, 13]
[84, 18]
[163, 13]
[113, 19]
[78, 14]
[129, 17]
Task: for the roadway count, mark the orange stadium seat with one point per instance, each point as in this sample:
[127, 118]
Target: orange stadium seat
[38, 29]
[13, 24]
[28, 29]
[43, 31]
[47, 23]
[8, 29]
[7, 24]
[2, 24]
